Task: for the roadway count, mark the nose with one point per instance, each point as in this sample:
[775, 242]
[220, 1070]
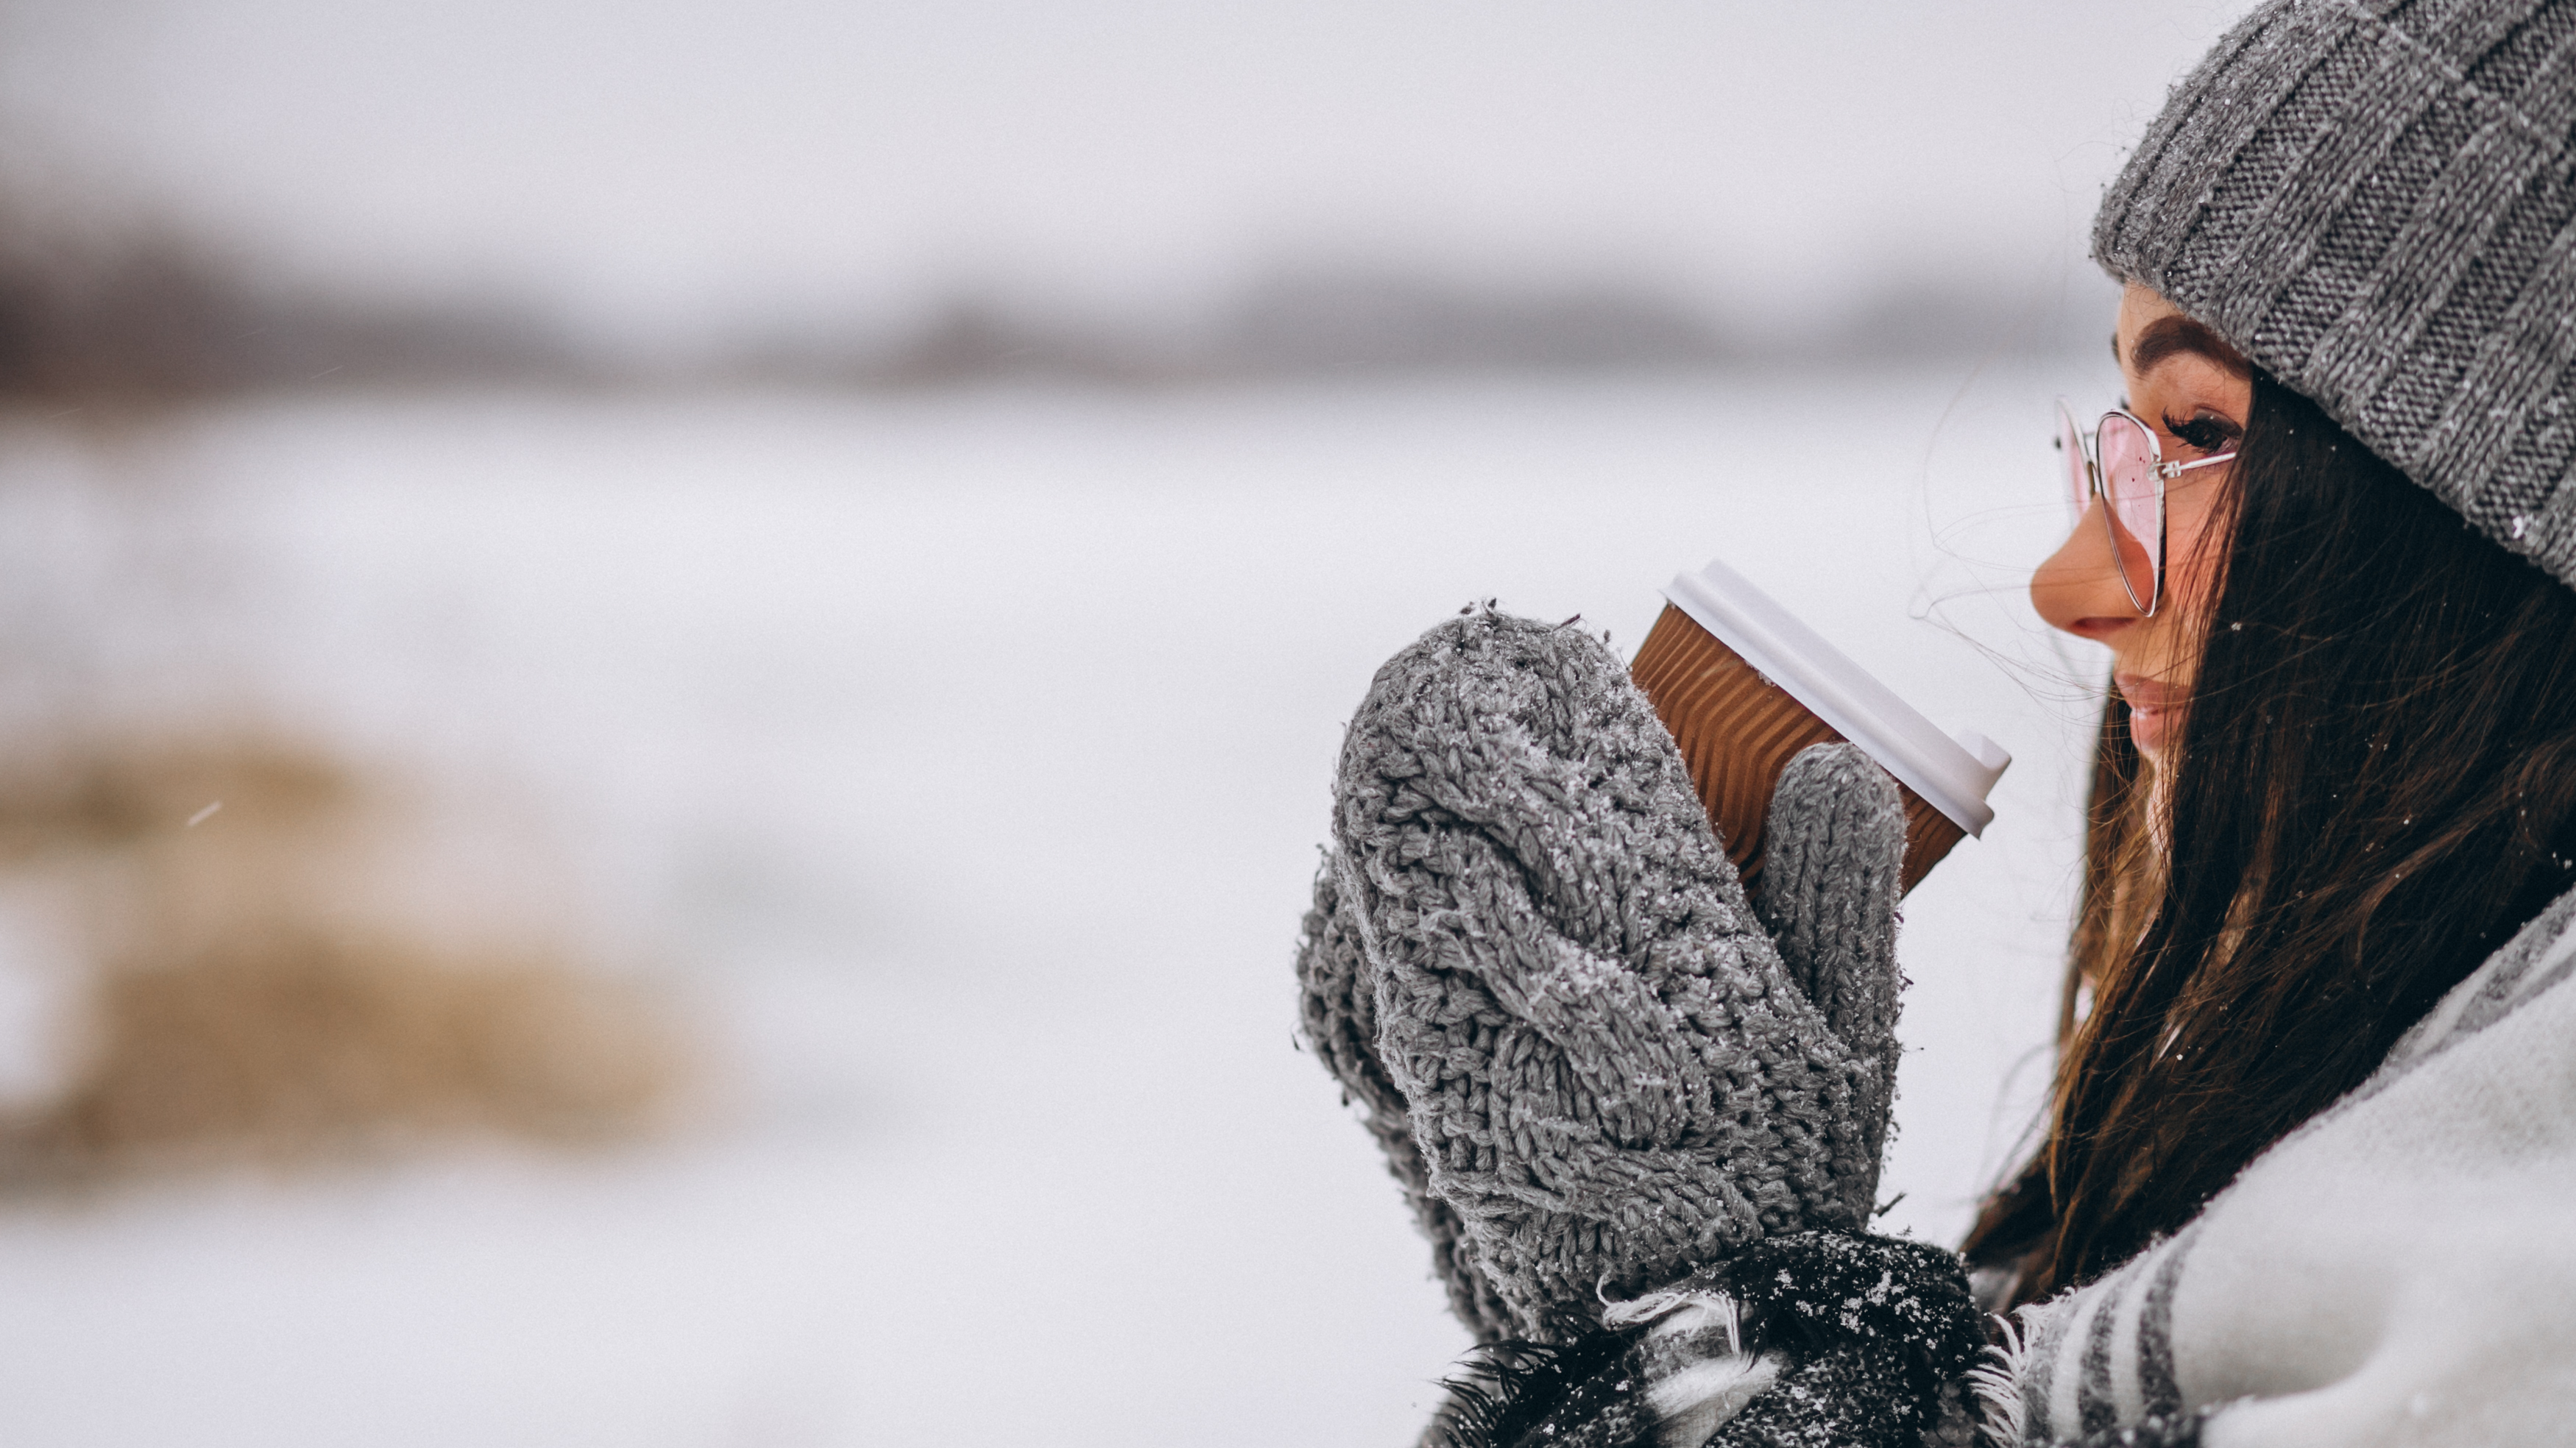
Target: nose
[2078, 588]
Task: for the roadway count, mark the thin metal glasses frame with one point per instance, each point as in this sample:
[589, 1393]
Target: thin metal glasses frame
[2088, 484]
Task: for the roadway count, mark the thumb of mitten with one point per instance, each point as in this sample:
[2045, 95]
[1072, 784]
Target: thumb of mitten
[1833, 846]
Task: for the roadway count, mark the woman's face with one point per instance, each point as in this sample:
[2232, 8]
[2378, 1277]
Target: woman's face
[2193, 389]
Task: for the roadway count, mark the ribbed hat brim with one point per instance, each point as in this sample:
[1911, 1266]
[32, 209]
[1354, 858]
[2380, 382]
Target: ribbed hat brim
[2375, 203]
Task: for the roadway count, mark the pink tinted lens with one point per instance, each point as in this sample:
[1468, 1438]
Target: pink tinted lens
[2128, 459]
[2070, 447]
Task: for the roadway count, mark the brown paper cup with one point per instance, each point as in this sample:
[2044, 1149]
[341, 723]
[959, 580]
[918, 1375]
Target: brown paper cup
[1738, 731]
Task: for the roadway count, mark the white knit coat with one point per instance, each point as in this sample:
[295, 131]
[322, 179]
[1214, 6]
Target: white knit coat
[2399, 1270]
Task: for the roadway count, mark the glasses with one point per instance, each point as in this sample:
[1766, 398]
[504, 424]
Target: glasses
[2121, 463]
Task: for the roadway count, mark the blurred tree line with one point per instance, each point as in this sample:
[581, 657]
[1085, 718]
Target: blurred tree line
[143, 311]
[97, 307]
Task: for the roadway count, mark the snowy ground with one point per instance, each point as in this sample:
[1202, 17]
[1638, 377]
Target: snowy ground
[961, 760]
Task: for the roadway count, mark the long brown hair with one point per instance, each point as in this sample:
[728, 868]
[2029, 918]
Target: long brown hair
[2372, 787]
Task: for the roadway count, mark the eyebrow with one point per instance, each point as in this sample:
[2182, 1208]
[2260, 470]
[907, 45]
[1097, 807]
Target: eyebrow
[2172, 336]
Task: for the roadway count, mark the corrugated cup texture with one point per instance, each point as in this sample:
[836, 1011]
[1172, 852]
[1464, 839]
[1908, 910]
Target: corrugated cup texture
[2374, 203]
[1738, 731]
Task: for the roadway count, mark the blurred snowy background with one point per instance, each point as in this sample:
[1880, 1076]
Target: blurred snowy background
[763, 597]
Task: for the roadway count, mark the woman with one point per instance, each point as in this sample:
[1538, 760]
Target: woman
[2306, 1174]
[2376, 788]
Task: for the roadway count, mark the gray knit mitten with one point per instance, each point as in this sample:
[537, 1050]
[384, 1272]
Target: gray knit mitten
[1531, 963]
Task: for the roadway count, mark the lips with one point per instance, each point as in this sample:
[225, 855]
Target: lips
[2145, 693]
[2151, 706]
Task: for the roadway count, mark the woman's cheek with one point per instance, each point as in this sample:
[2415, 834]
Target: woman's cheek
[2193, 560]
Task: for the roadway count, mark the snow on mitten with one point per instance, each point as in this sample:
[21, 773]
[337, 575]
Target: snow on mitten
[1836, 847]
[1529, 942]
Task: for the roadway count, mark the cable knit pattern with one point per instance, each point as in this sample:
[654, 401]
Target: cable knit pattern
[1532, 965]
[1340, 1017]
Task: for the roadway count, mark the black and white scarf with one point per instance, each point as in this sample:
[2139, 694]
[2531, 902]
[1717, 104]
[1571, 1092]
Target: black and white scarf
[1819, 1337]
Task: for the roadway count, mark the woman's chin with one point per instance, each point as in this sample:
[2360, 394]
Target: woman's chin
[2147, 731]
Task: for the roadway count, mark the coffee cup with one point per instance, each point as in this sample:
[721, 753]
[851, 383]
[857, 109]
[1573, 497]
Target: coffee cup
[1744, 685]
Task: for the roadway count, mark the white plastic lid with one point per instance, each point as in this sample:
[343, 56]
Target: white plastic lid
[1953, 775]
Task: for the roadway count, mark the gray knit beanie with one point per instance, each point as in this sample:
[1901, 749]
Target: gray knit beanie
[2373, 200]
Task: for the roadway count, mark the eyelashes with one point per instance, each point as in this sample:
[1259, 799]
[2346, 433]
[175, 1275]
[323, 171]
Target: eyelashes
[2205, 432]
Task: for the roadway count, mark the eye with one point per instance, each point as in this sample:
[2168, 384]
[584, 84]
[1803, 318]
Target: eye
[2206, 432]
